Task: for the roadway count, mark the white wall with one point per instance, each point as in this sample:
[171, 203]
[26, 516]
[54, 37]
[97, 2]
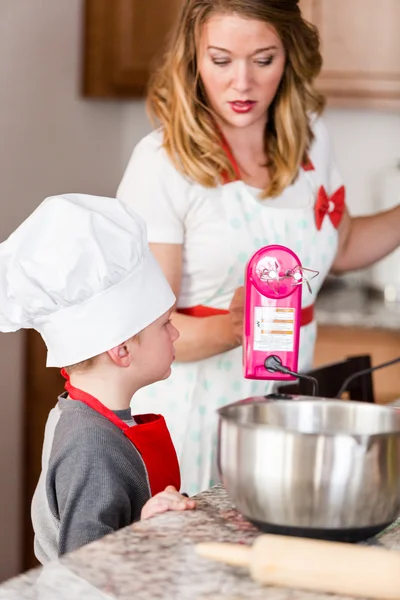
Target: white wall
[51, 141]
[367, 144]
[136, 126]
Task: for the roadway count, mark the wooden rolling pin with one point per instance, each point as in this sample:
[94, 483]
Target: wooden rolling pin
[316, 565]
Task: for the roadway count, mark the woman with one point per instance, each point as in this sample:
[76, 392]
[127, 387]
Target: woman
[242, 160]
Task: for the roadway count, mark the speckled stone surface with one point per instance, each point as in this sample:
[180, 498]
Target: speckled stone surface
[351, 305]
[156, 559]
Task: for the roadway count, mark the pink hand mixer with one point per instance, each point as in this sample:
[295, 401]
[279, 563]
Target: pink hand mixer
[273, 286]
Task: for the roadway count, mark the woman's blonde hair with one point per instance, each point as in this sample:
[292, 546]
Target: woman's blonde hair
[177, 101]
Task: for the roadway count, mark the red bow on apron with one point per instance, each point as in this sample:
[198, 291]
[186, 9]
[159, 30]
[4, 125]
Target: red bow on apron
[325, 205]
[150, 436]
[333, 206]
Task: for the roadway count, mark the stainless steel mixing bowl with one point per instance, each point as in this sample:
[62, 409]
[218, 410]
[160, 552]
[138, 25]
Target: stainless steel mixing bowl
[313, 467]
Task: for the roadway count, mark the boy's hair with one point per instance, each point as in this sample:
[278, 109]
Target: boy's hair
[82, 366]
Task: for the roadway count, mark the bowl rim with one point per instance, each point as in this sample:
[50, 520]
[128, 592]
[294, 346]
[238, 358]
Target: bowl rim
[308, 400]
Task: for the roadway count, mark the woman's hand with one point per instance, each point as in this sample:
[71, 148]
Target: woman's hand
[169, 499]
[236, 311]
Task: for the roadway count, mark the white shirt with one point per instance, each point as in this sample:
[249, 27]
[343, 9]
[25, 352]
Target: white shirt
[179, 211]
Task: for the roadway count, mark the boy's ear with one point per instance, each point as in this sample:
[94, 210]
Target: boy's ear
[120, 355]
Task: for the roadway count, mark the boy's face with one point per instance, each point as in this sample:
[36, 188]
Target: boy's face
[153, 350]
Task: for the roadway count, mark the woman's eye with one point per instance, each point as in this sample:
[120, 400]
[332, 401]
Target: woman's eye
[264, 62]
[221, 61]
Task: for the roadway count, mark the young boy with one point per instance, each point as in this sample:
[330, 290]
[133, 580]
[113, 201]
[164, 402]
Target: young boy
[80, 272]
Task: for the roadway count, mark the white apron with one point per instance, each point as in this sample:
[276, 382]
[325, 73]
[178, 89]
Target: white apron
[190, 397]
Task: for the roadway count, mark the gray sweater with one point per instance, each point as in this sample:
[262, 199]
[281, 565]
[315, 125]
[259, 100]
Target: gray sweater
[93, 480]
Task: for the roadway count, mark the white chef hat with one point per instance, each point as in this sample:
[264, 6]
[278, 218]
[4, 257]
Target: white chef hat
[80, 272]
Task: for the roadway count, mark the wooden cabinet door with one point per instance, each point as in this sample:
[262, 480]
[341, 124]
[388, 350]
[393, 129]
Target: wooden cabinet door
[122, 39]
[361, 50]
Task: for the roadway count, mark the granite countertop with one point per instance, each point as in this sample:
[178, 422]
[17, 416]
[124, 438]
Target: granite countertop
[156, 559]
[348, 303]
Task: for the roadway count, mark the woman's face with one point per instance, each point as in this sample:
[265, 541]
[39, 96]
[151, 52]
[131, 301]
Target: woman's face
[241, 63]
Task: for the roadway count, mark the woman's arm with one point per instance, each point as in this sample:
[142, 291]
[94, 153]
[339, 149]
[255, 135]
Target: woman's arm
[199, 337]
[365, 240]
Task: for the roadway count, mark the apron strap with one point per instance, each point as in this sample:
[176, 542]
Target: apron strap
[76, 394]
[306, 164]
[150, 436]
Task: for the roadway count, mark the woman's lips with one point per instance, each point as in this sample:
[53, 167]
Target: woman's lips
[239, 106]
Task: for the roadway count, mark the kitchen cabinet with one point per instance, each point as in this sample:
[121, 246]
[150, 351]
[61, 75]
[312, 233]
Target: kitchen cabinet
[360, 46]
[335, 343]
[361, 51]
[121, 41]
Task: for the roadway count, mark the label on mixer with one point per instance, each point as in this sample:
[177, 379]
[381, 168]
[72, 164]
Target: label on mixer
[274, 328]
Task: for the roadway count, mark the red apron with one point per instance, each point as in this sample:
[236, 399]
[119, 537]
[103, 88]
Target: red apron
[150, 436]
